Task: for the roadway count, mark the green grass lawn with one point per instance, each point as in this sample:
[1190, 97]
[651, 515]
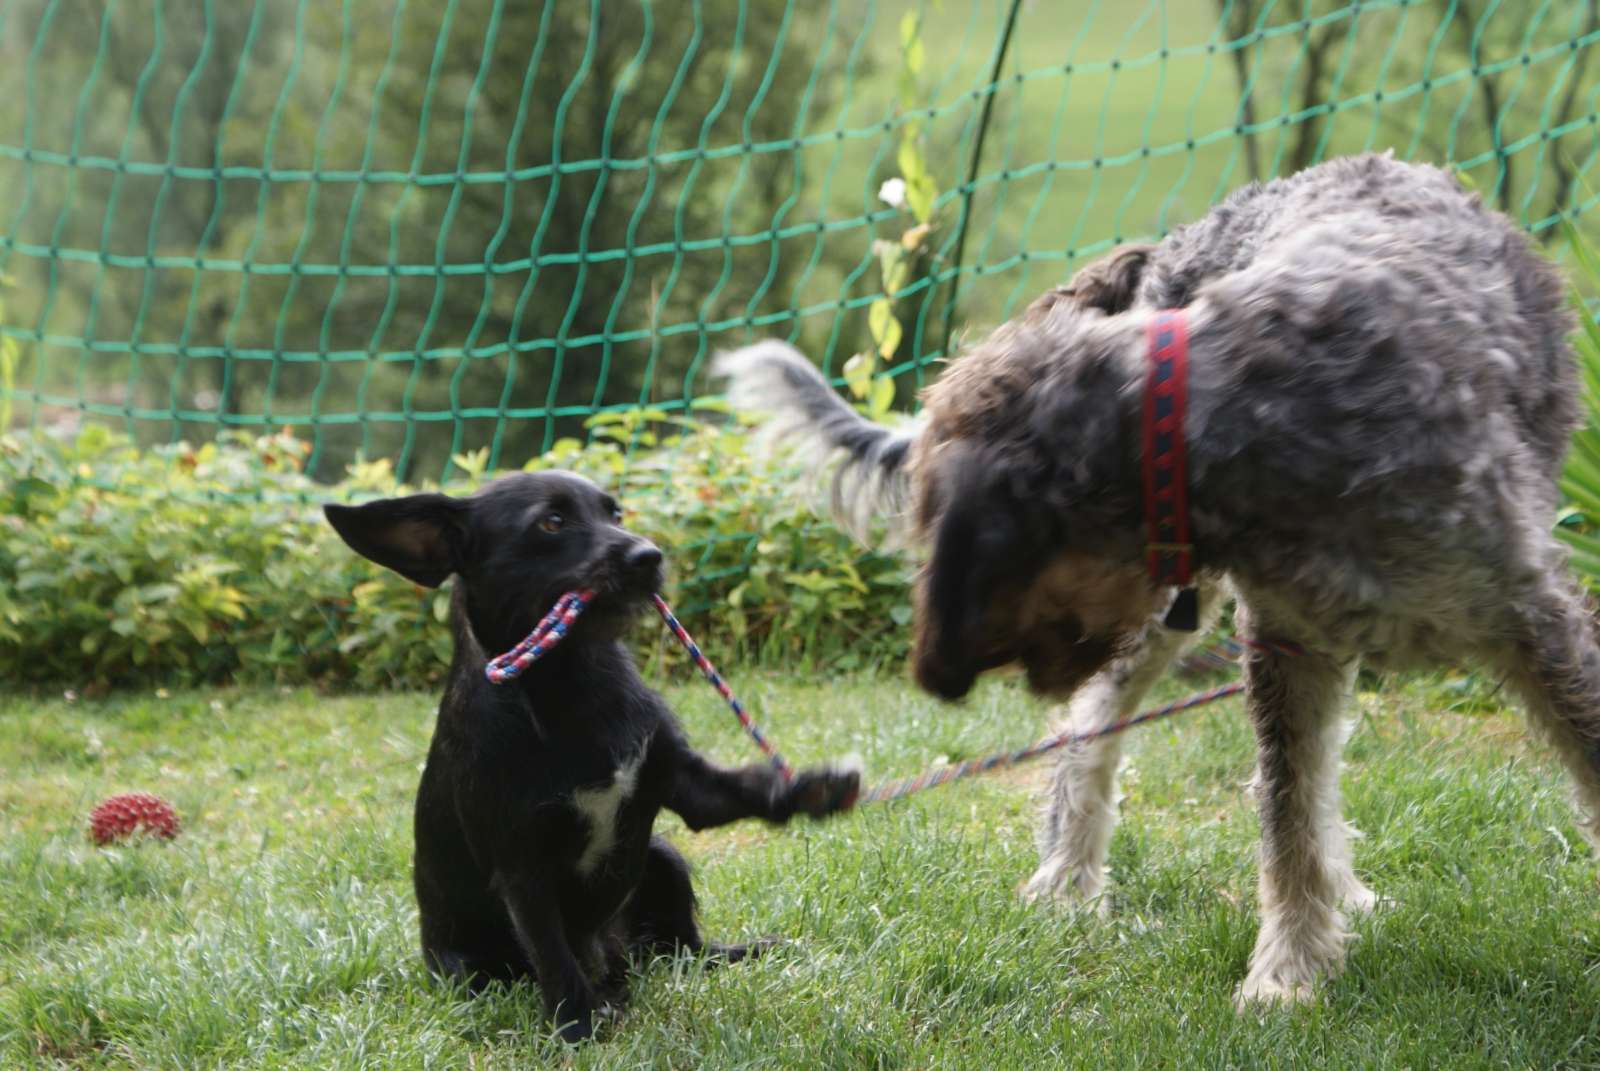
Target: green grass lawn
[278, 930]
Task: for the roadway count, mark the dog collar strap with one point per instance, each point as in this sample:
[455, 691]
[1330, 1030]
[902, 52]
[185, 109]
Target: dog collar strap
[1169, 555]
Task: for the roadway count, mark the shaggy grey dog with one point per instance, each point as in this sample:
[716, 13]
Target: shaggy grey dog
[1380, 397]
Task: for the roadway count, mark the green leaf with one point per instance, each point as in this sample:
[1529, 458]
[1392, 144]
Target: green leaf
[858, 374]
[920, 197]
[890, 256]
[889, 343]
[1584, 490]
[882, 396]
[880, 317]
[1585, 456]
[1585, 541]
[896, 277]
[910, 27]
[909, 159]
[1585, 557]
[1587, 260]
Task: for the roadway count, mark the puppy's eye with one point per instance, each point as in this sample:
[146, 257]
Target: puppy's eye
[616, 514]
[552, 523]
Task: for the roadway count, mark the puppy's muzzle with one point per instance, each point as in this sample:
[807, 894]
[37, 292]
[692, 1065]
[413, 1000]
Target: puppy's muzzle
[636, 565]
[643, 558]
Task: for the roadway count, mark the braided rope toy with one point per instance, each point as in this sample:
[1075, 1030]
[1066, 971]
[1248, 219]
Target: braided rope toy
[546, 634]
[553, 627]
[710, 672]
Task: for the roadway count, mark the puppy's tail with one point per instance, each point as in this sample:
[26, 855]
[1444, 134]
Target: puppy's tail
[871, 479]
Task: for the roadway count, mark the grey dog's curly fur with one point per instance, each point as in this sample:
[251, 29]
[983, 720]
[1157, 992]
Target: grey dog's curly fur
[1381, 394]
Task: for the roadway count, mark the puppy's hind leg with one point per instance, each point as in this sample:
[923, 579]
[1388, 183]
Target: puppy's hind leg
[1555, 665]
[662, 913]
[1080, 813]
[470, 953]
[477, 973]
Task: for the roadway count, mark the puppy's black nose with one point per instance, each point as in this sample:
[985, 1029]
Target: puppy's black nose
[642, 557]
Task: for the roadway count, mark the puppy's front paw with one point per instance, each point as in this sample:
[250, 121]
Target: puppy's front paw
[823, 790]
[577, 1017]
[720, 953]
[577, 1030]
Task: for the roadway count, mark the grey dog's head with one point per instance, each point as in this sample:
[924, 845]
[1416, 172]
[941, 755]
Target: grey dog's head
[1025, 496]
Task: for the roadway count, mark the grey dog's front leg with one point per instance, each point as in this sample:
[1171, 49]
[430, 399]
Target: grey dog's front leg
[1080, 810]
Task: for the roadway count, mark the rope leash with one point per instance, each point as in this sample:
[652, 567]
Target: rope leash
[939, 775]
[710, 672]
[555, 624]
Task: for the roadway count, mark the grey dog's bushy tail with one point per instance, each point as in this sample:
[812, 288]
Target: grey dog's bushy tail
[870, 481]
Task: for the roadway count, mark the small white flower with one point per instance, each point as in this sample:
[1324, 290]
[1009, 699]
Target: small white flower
[893, 192]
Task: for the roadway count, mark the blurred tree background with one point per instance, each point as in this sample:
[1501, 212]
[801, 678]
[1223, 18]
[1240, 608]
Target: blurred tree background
[411, 229]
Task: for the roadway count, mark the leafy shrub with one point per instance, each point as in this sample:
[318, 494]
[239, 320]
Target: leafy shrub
[186, 564]
[1580, 481]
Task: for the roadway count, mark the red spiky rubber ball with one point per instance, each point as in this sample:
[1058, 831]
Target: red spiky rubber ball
[132, 812]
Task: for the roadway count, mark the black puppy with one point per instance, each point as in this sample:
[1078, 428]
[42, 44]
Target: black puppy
[534, 853]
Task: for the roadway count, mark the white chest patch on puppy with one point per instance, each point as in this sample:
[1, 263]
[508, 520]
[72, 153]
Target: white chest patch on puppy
[599, 807]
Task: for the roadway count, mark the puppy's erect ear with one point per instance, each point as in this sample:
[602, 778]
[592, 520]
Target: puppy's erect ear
[421, 537]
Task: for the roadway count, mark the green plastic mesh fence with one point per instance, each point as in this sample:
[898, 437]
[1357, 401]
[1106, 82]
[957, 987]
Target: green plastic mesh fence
[409, 230]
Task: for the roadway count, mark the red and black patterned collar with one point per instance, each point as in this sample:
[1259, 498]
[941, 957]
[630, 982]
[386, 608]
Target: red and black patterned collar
[1169, 554]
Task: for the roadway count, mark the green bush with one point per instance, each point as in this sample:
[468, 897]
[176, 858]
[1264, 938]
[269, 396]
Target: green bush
[182, 564]
[1580, 482]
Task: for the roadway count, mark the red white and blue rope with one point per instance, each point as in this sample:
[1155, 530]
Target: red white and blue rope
[939, 775]
[1226, 652]
[545, 635]
[553, 627]
[710, 672]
